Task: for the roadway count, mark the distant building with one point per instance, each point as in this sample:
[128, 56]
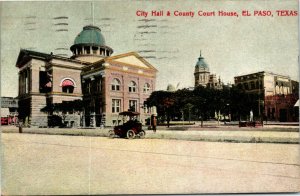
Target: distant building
[277, 93]
[9, 102]
[106, 84]
[9, 110]
[203, 77]
[171, 88]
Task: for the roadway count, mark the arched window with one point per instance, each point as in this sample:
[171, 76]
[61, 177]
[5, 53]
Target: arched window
[132, 87]
[115, 85]
[146, 88]
[67, 86]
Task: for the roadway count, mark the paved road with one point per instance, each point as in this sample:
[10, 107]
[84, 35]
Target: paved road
[56, 164]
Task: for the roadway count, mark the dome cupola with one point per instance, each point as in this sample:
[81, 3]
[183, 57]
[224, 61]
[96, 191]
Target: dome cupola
[90, 42]
[201, 64]
[90, 35]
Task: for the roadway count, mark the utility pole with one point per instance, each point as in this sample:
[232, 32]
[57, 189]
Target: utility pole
[92, 12]
[259, 83]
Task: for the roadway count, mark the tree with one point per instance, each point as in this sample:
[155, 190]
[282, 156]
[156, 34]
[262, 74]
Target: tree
[164, 102]
[63, 108]
[203, 102]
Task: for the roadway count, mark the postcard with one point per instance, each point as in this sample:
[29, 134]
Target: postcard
[149, 97]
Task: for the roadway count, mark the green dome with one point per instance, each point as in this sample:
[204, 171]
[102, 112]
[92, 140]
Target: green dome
[90, 35]
[201, 63]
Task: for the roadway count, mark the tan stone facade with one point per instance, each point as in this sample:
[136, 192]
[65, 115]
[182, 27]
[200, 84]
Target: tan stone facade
[40, 83]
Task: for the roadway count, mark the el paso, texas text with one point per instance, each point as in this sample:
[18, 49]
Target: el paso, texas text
[142, 13]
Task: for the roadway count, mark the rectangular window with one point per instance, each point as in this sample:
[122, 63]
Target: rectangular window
[115, 87]
[98, 85]
[116, 105]
[133, 105]
[132, 89]
[88, 85]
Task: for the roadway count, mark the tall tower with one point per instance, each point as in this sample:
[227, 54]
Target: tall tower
[201, 72]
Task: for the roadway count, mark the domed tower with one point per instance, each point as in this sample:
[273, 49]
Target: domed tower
[89, 45]
[201, 72]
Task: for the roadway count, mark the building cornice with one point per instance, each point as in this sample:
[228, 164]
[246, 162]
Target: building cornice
[113, 58]
[50, 65]
[131, 72]
[64, 94]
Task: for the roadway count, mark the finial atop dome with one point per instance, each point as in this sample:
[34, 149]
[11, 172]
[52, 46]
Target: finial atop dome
[92, 12]
[200, 57]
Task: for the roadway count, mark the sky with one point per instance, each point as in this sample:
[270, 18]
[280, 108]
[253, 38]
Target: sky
[231, 46]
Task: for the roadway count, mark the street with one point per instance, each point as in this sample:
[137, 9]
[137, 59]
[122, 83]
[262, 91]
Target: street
[56, 164]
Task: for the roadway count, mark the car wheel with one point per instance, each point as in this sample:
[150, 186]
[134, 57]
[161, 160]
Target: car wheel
[111, 134]
[142, 134]
[130, 134]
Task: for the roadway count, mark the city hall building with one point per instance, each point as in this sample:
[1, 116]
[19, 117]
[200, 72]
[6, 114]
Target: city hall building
[106, 84]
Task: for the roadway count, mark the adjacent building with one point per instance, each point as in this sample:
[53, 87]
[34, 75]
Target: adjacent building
[9, 110]
[277, 94]
[106, 84]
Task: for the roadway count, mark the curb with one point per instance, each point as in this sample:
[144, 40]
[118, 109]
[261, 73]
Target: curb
[170, 135]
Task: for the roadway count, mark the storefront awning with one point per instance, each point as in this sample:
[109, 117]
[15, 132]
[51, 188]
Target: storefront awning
[67, 83]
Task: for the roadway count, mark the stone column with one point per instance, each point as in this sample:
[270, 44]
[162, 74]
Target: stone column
[26, 80]
[139, 89]
[19, 83]
[30, 79]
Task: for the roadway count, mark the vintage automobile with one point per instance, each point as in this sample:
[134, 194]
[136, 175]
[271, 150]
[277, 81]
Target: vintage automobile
[130, 128]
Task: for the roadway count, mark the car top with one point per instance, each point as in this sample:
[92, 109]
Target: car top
[129, 113]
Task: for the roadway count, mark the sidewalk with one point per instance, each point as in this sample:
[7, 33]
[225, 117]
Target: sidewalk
[216, 134]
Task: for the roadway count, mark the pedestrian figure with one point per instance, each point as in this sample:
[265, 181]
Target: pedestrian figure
[20, 126]
[251, 116]
[154, 123]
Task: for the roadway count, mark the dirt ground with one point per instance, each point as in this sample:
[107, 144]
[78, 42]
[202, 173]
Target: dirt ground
[56, 164]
